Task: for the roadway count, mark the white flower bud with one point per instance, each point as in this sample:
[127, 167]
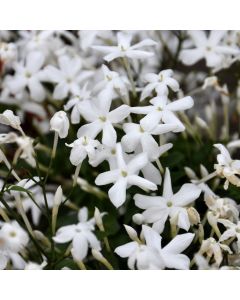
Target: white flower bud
[201, 123]
[204, 172]
[60, 123]
[98, 218]
[138, 219]
[131, 232]
[58, 196]
[97, 255]
[190, 173]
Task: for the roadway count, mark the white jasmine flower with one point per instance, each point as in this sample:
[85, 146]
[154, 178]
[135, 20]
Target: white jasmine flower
[75, 103]
[102, 119]
[124, 48]
[160, 83]
[68, 77]
[137, 135]
[158, 209]
[12, 240]
[227, 167]
[60, 124]
[81, 235]
[113, 84]
[124, 176]
[162, 110]
[209, 48]
[81, 148]
[148, 253]
[103, 153]
[28, 74]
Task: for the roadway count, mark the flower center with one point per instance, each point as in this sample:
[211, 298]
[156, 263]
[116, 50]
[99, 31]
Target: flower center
[12, 233]
[124, 173]
[113, 151]
[169, 203]
[85, 142]
[208, 48]
[141, 129]
[161, 77]
[69, 80]
[103, 119]
[28, 74]
[159, 108]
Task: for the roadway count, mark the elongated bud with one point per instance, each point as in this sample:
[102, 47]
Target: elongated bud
[42, 238]
[58, 196]
[201, 123]
[204, 172]
[190, 173]
[99, 257]
[98, 219]
[212, 220]
[131, 232]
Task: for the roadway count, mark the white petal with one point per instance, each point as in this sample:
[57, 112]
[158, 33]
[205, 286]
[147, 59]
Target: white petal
[109, 136]
[151, 173]
[167, 186]
[117, 192]
[191, 56]
[181, 104]
[141, 182]
[119, 114]
[35, 61]
[91, 130]
[152, 238]
[61, 91]
[145, 202]
[186, 195]
[177, 261]
[137, 163]
[107, 177]
[178, 244]
[80, 247]
[65, 234]
[37, 91]
[127, 249]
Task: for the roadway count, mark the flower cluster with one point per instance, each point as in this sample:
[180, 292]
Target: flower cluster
[102, 130]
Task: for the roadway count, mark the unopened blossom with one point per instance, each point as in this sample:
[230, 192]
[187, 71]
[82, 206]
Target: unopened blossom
[13, 239]
[162, 110]
[68, 77]
[81, 148]
[161, 83]
[147, 252]
[75, 103]
[159, 208]
[114, 85]
[136, 135]
[213, 248]
[60, 124]
[227, 167]
[124, 176]
[101, 119]
[124, 48]
[29, 74]
[81, 235]
[210, 48]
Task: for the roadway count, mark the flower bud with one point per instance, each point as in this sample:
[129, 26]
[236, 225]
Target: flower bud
[98, 219]
[60, 123]
[138, 219]
[193, 215]
[58, 196]
[201, 123]
[204, 172]
[190, 173]
[131, 232]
